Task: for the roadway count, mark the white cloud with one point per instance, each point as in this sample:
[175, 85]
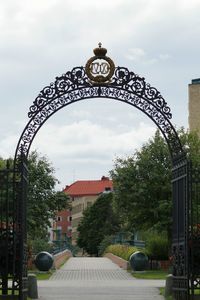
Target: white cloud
[164, 56]
[8, 145]
[189, 5]
[43, 39]
[88, 140]
[136, 54]
[142, 56]
[81, 114]
[87, 147]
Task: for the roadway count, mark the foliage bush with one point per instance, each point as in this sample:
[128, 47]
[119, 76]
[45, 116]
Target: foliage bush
[39, 245]
[123, 251]
[157, 247]
[107, 241]
[98, 221]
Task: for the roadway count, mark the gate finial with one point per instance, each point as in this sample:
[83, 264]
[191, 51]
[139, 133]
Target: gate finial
[100, 52]
[100, 68]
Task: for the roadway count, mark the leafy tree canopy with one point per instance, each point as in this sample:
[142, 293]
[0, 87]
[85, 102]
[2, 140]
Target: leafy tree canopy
[142, 183]
[43, 201]
[98, 221]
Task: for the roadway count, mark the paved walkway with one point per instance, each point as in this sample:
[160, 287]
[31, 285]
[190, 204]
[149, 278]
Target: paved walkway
[97, 279]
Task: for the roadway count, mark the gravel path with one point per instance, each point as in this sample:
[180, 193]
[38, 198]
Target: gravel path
[97, 279]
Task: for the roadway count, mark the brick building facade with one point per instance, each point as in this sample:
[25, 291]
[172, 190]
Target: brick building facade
[62, 225]
[84, 193]
[194, 105]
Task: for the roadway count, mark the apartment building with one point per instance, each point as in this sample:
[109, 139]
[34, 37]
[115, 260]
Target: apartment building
[61, 229]
[84, 193]
[194, 105]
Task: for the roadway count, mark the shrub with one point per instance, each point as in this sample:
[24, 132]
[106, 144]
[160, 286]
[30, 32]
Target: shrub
[39, 245]
[157, 247]
[123, 251]
[107, 241]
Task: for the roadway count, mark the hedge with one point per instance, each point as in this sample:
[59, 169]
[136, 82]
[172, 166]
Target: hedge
[123, 251]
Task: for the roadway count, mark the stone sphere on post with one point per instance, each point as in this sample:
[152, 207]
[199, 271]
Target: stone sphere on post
[44, 261]
[138, 261]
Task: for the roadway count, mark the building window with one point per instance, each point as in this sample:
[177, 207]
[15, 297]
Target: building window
[59, 218]
[76, 209]
[75, 222]
[107, 190]
[69, 218]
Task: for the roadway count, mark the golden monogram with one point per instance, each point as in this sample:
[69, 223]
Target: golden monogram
[100, 68]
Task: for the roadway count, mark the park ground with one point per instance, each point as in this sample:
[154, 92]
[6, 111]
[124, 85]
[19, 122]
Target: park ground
[90, 278]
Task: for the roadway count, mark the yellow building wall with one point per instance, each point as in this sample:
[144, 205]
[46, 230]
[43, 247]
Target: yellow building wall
[194, 105]
[79, 204]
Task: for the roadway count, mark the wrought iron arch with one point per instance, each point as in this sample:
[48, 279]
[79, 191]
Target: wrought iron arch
[79, 84]
[124, 86]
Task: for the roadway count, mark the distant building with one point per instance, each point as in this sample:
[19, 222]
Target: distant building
[61, 230]
[84, 193]
[194, 105]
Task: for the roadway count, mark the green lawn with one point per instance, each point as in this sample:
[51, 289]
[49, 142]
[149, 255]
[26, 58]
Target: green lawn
[45, 275]
[42, 275]
[162, 292]
[158, 274]
[10, 292]
[16, 293]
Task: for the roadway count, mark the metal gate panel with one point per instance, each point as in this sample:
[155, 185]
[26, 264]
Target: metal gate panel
[76, 85]
[13, 249]
[6, 228]
[180, 229]
[194, 230]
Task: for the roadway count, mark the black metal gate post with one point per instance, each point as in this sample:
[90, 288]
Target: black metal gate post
[13, 264]
[100, 79]
[6, 229]
[20, 204]
[6, 235]
[180, 229]
[194, 230]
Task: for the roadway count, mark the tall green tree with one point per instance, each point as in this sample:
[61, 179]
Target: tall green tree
[142, 183]
[142, 187]
[98, 221]
[43, 200]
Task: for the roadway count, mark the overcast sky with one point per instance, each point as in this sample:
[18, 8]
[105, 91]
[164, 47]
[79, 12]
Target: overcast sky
[39, 40]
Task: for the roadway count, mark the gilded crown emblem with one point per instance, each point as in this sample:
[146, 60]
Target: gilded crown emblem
[100, 68]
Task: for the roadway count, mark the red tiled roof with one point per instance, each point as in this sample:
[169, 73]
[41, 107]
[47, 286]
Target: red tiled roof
[88, 187]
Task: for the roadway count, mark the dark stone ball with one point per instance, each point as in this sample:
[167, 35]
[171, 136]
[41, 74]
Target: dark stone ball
[138, 261]
[44, 261]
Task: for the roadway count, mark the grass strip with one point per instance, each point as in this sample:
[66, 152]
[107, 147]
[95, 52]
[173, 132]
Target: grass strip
[42, 275]
[162, 292]
[157, 274]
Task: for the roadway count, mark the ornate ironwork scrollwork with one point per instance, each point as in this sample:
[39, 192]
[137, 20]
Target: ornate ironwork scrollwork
[122, 78]
[137, 85]
[100, 68]
[124, 86]
[69, 81]
[100, 79]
